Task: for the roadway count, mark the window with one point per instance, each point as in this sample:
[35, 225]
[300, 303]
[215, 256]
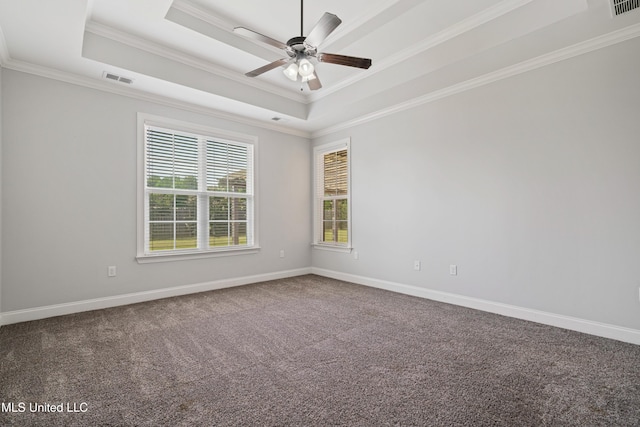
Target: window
[196, 190]
[332, 218]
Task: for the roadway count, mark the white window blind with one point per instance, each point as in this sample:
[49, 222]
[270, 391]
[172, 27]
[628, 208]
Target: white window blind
[229, 176]
[332, 218]
[198, 193]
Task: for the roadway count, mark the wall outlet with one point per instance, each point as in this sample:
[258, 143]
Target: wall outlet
[281, 253]
[416, 265]
[111, 271]
[356, 255]
[453, 270]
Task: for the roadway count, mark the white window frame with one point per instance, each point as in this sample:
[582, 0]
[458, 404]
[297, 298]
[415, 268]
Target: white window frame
[146, 256]
[318, 196]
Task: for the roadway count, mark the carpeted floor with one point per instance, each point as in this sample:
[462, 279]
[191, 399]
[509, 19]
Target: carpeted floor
[311, 351]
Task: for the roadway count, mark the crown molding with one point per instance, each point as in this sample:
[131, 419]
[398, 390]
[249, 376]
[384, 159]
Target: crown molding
[189, 60]
[367, 15]
[206, 15]
[572, 51]
[4, 50]
[111, 87]
[447, 34]
[203, 14]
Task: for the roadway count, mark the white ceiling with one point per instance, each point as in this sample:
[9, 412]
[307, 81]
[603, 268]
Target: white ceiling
[184, 52]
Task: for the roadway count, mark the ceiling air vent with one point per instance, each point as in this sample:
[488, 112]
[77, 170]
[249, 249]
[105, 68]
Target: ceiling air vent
[117, 78]
[618, 7]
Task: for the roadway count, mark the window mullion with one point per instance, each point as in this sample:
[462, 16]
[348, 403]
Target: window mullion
[202, 229]
[203, 200]
[229, 225]
[173, 162]
[147, 226]
[335, 221]
[175, 229]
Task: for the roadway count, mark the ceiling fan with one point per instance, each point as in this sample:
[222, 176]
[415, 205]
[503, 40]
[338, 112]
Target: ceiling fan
[301, 49]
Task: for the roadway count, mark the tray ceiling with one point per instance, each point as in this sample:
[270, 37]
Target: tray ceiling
[185, 51]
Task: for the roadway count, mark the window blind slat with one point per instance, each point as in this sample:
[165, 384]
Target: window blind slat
[227, 166]
[174, 217]
[335, 173]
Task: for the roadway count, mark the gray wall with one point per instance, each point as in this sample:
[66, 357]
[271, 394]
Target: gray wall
[69, 197]
[530, 185]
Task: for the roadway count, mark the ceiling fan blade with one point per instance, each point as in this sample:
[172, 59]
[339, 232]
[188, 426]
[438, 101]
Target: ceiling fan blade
[322, 29]
[314, 84]
[265, 68]
[259, 37]
[350, 61]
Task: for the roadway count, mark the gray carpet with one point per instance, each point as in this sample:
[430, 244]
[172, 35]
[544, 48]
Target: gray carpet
[312, 351]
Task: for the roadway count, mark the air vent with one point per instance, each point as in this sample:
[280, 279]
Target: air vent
[117, 78]
[618, 7]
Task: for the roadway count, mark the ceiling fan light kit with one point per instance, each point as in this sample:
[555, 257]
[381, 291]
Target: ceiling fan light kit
[291, 72]
[305, 68]
[300, 49]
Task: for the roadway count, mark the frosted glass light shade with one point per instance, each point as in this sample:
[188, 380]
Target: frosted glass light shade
[305, 68]
[291, 72]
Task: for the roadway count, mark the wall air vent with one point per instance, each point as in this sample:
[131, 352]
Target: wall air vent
[618, 7]
[117, 78]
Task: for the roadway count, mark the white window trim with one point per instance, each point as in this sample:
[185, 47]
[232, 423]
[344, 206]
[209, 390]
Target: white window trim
[317, 217]
[143, 120]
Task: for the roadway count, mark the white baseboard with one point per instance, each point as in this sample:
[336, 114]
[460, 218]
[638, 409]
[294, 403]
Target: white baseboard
[575, 324]
[581, 325]
[118, 300]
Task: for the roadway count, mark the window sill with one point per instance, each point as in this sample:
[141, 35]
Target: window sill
[331, 248]
[180, 256]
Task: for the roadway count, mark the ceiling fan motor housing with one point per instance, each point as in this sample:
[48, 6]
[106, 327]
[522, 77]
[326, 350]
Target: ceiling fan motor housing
[297, 43]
